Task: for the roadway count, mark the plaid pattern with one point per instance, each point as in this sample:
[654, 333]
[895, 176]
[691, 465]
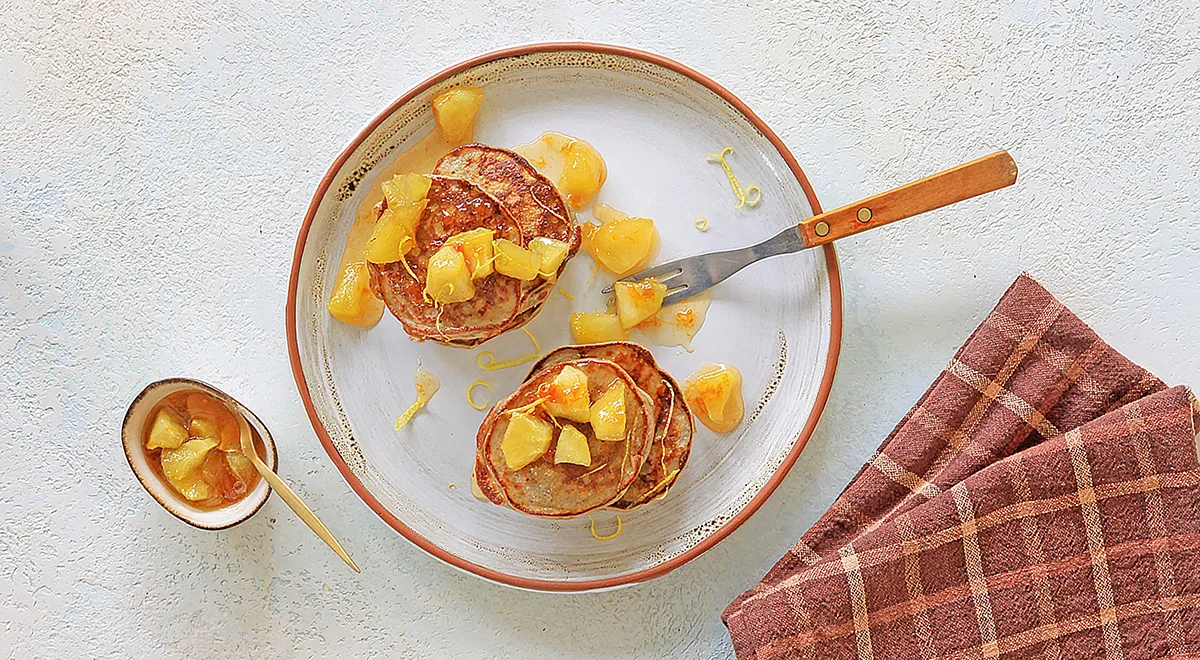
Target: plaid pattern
[1040, 501]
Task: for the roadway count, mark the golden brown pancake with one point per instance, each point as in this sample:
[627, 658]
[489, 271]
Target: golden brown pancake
[529, 197]
[673, 428]
[545, 489]
[477, 186]
[454, 206]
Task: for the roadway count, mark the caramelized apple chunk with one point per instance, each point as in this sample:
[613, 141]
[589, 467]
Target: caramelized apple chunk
[454, 111]
[241, 466]
[204, 427]
[607, 415]
[204, 406]
[621, 244]
[405, 191]
[584, 173]
[714, 395]
[180, 467]
[638, 301]
[447, 279]
[352, 300]
[595, 328]
[525, 440]
[566, 396]
[572, 447]
[476, 248]
[167, 431]
[575, 166]
[193, 487]
[515, 261]
[552, 254]
[394, 234]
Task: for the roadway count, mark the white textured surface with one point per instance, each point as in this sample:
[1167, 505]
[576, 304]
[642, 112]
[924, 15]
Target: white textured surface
[155, 162]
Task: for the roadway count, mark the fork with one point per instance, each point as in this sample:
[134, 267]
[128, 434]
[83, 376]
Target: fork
[691, 275]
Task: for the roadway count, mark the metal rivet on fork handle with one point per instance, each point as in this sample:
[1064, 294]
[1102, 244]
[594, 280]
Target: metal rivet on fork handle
[864, 215]
[822, 228]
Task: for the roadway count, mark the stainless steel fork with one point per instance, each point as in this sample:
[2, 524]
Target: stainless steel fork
[691, 275]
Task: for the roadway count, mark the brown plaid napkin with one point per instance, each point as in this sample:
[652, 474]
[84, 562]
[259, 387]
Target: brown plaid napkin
[1040, 501]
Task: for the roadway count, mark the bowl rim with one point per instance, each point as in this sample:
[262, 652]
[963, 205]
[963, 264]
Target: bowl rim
[835, 335]
[268, 442]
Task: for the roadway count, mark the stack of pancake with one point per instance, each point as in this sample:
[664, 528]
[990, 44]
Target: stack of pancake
[477, 186]
[624, 473]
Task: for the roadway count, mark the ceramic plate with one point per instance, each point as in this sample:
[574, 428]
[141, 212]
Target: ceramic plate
[654, 121]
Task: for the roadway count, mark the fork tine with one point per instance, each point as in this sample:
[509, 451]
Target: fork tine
[661, 273]
[670, 298]
[678, 295]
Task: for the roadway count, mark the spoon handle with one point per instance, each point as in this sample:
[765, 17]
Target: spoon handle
[291, 498]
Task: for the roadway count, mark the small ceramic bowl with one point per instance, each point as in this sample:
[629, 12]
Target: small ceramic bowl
[135, 422]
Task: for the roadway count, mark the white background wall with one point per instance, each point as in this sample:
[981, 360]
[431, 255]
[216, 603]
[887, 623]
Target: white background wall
[156, 160]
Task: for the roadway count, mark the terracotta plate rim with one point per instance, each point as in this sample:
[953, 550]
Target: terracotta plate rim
[835, 335]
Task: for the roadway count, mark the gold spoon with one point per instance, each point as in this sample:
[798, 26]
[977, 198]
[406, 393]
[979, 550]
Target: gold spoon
[289, 496]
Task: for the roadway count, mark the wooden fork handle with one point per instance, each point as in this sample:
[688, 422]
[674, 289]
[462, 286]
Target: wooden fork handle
[968, 180]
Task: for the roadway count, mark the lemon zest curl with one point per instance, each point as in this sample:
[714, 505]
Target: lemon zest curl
[471, 401]
[749, 196]
[487, 361]
[604, 538]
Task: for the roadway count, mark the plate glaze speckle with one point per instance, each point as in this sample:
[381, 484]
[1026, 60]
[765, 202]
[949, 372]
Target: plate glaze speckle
[654, 121]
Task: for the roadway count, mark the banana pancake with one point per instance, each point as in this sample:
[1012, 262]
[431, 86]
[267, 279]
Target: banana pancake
[541, 487]
[673, 428]
[454, 206]
[529, 197]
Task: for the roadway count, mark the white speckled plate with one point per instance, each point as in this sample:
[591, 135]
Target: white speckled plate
[654, 121]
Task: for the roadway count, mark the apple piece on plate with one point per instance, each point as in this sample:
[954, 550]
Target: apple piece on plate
[572, 447]
[566, 396]
[714, 395]
[574, 165]
[525, 440]
[622, 244]
[638, 301]
[608, 414]
[454, 111]
[352, 300]
[447, 279]
[404, 191]
[552, 253]
[393, 237]
[476, 249]
[167, 432]
[595, 328]
[584, 172]
[515, 261]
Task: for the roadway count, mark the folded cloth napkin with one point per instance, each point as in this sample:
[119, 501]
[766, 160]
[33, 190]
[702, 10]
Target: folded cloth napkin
[1042, 500]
